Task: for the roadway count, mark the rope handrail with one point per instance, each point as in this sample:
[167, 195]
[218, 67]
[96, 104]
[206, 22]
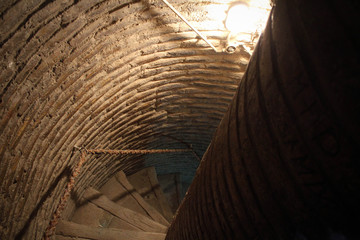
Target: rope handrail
[64, 199]
[136, 151]
[50, 230]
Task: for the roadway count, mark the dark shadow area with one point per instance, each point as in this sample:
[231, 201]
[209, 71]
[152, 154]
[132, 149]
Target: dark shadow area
[80, 201]
[121, 196]
[152, 190]
[189, 146]
[65, 173]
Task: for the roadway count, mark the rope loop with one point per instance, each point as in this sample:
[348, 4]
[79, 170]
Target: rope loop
[50, 231]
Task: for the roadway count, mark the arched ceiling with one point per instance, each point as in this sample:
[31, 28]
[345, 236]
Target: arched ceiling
[113, 74]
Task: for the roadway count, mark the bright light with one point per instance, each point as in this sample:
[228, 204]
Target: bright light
[243, 19]
[245, 23]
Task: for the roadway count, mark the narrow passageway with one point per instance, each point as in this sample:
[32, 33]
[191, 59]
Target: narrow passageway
[105, 74]
[132, 207]
[119, 121]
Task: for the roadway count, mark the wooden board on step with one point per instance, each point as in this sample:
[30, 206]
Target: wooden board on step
[119, 190]
[146, 183]
[171, 186]
[69, 230]
[98, 208]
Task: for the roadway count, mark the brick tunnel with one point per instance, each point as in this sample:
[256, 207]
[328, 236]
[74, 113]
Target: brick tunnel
[119, 75]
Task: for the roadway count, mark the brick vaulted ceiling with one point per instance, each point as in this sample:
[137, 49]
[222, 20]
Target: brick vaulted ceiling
[112, 74]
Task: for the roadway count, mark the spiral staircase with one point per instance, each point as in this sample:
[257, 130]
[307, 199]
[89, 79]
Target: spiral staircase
[138, 207]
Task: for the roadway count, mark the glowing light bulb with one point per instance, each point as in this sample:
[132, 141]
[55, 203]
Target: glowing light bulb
[242, 18]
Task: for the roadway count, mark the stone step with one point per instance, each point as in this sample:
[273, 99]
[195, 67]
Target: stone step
[171, 186]
[97, 210]
[119, 190]
[61, 237]
[69, 230]
[146, 183]
[89, 214]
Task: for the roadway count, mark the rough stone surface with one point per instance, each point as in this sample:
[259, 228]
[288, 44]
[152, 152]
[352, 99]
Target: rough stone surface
[101, 74]
[284, 161]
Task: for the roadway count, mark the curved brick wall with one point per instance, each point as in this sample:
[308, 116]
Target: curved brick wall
[102, 74]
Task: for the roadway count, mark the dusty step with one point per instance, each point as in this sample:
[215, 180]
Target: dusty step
[146, 183]
[61, 237]
[97, 210]
[69, 230]
[171, 186]
[119, 190]
[89, 214]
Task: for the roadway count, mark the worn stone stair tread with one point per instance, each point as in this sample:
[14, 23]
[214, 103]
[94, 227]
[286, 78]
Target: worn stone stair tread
[146, 183]
[154, 214]
[61, 237]
[91, 215]
[70, 229]
[136, 219]
[119, 190]
[171, 187]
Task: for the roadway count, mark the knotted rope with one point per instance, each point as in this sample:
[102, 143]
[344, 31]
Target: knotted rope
[71, 184]
[63, 200]
[138, 151]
